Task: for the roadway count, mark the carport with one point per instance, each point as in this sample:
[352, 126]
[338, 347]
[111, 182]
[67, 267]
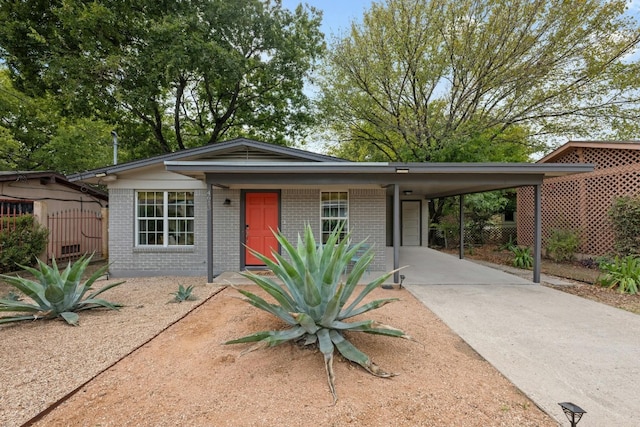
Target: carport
[426, 180]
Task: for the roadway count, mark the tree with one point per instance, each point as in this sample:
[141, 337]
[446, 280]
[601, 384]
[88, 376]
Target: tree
[34, 135]
[168, 75]
[418, 77]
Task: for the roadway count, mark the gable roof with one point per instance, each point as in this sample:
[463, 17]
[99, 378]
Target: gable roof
[235, 148]
[49, 177]
[572, 145]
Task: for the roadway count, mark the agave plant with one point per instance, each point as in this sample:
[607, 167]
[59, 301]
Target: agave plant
[183, 294]
[55, 293]
[312, 300]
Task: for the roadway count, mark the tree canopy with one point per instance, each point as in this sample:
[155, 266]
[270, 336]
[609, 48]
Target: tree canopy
[167, 75]
[442, 80]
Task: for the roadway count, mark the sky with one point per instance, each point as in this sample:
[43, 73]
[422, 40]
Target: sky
[337, 14]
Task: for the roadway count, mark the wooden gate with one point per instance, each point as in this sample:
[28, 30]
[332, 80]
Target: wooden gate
[73, 233]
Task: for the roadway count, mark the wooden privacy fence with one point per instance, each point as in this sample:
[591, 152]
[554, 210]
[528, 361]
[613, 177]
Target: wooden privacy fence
[73, 233]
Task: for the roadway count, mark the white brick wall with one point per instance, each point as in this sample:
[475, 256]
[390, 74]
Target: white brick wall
[129, 261]
[298, 208]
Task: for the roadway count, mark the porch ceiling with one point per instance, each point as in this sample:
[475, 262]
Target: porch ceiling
[427, 180]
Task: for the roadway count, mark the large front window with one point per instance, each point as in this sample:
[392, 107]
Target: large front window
[334, 212]
[165, 218]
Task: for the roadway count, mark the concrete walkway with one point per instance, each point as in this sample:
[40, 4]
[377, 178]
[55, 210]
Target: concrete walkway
[553, 346]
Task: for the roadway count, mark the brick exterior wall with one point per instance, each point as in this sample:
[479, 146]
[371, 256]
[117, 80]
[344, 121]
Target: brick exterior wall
[226, 230]
[297, 208]
[129, 261]
[367, 220]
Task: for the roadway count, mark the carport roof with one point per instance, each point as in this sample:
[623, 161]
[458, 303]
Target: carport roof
[428, 179]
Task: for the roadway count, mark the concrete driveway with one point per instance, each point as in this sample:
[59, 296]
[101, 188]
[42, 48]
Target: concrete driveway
[553, 346]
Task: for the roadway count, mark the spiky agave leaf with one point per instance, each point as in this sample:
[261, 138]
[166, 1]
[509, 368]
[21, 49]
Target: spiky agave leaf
[56, 293]
[312, 299]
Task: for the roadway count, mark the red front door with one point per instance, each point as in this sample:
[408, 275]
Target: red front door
[261, 214]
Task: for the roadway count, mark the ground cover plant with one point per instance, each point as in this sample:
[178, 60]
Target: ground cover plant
[522, 257]
[312, 300]
[55, 293]
[621, 273]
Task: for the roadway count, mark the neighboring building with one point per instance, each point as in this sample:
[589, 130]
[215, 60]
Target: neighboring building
[192, 212]
[581, 202]
[71, 211]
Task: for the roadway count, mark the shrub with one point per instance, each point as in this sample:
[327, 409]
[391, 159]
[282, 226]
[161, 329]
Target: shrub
[522, 257]
[625, 219]
[563, 244]
[623, 273]
[21, 244]
[54, 293]
[312, 300]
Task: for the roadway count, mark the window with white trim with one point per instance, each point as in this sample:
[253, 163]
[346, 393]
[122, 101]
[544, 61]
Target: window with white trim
[334, 212]
[164, 218]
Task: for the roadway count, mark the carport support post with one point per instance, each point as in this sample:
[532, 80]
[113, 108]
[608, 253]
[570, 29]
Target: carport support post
[537, 233]
[209, 236]
[396, 232]
[461, 227]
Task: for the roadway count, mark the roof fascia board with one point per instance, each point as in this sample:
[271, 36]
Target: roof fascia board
[547, 169]
[502, 181]
[55, 178]
[206, 149]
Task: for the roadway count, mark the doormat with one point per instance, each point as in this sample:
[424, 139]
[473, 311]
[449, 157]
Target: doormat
[261, 272]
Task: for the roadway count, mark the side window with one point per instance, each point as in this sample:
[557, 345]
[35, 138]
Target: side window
[334, 212]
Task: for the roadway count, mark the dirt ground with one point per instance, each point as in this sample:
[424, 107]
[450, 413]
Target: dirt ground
[186, 376]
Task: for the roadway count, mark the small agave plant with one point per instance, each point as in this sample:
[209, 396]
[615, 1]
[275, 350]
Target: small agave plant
[312, 300]
[55, 293]
[183, 294]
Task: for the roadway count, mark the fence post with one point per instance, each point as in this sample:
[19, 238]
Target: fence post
[104, 213]
[41, 216]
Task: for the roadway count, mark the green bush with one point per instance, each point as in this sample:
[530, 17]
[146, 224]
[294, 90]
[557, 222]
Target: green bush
[21, 244]
[625, 219]
[563, 244]
[623, 273]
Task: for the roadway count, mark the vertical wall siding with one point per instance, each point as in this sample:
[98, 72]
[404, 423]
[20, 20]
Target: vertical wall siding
[129, 261]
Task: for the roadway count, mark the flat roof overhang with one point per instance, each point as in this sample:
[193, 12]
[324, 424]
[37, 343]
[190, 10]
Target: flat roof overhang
[426, 179]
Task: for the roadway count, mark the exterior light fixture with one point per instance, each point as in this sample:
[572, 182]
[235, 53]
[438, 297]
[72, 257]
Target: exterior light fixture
[573, 412]
[402, 170]
[226, 202]
[407, 192]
